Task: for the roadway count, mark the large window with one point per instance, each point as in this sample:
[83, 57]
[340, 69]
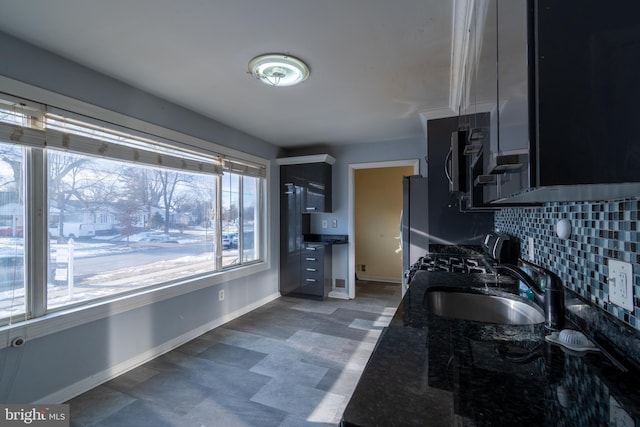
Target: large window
[114, 226]
[123, 211]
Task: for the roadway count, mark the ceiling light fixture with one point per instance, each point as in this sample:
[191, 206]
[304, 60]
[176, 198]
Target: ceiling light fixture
[276, 69]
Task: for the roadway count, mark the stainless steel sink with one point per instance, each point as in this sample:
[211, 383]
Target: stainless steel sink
[481, 307]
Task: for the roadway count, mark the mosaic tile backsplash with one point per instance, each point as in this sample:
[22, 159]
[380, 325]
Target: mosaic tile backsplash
[600, 231]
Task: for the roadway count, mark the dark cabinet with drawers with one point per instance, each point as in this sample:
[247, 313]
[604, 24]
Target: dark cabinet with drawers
[305, 267]
[315, 270]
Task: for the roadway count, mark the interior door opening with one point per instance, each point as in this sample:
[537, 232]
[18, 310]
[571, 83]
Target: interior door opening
[375, 204]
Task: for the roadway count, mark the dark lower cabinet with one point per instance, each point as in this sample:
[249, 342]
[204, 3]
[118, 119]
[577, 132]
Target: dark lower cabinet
[307, 273]
[315, 271]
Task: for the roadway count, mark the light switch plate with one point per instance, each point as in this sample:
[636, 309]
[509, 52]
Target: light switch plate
[621, 284]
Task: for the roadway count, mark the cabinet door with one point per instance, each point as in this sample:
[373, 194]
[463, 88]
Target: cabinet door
[317, 187]
[291, 192]
[510, 153]
[588, 91]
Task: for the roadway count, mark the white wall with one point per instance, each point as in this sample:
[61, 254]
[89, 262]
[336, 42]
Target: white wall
[55, 367]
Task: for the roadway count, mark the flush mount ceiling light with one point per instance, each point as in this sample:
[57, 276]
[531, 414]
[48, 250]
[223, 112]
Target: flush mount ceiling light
[276, 69]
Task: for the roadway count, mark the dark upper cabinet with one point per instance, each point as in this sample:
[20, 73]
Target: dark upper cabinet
[314, 182]
[564, 122]
[317, 187]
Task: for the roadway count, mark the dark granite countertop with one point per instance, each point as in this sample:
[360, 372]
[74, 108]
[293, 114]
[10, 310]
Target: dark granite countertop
[432, 371]
[326, 239]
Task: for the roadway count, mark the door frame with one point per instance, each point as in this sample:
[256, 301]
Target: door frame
[351, 274]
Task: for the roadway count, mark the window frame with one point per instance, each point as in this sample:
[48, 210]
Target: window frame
[259, 207]
[38, 320]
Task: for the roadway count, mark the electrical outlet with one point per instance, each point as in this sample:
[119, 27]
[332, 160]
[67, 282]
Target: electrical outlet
[363, 268]
[221, 295]
[621, 284]
[334, 223]
[324, 223]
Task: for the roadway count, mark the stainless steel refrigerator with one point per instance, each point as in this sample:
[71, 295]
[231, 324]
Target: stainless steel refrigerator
[414, 224]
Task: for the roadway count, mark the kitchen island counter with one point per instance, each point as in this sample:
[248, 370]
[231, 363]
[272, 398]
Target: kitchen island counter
[432, 371]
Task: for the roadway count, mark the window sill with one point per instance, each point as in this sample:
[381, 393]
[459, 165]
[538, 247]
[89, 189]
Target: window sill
[68, 318]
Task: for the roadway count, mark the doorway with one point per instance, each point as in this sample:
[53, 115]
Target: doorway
[381, 217]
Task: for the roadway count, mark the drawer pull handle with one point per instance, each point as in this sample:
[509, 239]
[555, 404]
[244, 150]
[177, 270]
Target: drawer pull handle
[311, 280]
[310, 259]
[311, 269]
[311, 248]
[311, 208]
[288, 192]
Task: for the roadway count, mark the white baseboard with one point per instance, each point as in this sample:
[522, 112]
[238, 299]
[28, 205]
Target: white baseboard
[95, 380]
[379, 279]
[340, 294]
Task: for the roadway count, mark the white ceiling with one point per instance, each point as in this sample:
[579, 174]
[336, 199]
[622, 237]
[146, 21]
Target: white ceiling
[378, 67]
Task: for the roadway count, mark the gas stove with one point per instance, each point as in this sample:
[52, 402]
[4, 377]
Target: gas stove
[453, 263]
[496, 248]
[450, 262]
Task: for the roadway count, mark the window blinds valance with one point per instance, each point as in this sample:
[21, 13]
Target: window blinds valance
[242, 167]
[21, 123]
[100, 148]
[36, 125]
[71, 136]
[21, 135]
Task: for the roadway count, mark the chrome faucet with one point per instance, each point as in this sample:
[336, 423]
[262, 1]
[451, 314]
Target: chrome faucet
[551, 299]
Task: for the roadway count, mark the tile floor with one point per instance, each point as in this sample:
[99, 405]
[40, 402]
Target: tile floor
[290, 363]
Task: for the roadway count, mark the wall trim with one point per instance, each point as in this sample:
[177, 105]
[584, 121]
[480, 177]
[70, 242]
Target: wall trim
[379, 279]
[95, 380]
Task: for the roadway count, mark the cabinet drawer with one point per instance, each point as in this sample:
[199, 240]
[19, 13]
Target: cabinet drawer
[313, 254]
[312, 277]
[311, 268]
